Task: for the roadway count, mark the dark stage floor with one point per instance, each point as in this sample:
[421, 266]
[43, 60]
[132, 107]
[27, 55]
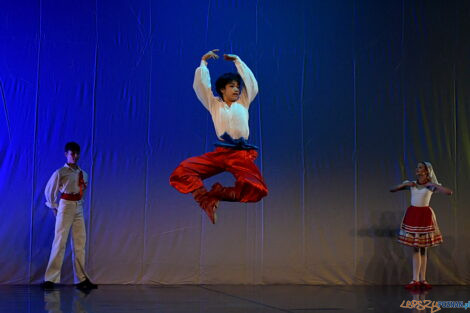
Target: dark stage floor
[224, 299]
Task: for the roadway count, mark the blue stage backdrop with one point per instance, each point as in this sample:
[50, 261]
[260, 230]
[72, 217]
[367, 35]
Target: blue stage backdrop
[352, 95]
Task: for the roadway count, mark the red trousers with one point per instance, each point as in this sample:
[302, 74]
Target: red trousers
[250, 185]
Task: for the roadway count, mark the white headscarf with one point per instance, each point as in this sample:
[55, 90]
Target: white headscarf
[432, 175]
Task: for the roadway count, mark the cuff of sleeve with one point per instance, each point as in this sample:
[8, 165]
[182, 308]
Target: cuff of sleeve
[203, 63]
[52, 205]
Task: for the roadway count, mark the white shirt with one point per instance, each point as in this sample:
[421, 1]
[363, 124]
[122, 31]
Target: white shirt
[65, 180]
[227, 119]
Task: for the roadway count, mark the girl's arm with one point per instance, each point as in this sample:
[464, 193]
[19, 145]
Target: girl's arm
[405, 185]
[439, 188]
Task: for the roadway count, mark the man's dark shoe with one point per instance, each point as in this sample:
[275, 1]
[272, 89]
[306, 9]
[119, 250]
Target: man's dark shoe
[86, 284]
[47, 285]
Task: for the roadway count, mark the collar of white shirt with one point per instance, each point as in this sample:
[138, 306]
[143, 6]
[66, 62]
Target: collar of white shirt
[73, 169]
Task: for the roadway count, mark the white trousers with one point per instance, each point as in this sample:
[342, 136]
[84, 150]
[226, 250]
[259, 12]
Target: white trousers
[69, 215]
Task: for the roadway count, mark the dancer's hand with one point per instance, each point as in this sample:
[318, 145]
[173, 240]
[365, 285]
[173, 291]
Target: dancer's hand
[230, 57]
[210, 55]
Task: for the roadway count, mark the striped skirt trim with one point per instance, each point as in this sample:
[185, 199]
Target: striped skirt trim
[420, 240]
[420, 231]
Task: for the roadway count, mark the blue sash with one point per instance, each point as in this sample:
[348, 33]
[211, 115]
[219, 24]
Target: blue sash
[236, 144]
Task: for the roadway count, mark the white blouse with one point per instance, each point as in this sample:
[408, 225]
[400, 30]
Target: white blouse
[420, 195]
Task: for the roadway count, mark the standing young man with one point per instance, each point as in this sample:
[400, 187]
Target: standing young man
[71, 181]
[233, 154]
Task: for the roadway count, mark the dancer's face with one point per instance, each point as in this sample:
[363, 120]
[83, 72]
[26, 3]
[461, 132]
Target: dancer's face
[421, 170]
[72, 157]
[231, 91]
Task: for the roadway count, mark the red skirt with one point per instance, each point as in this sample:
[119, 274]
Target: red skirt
[419, 228]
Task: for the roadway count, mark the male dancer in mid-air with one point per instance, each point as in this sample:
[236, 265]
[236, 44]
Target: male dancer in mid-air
[232, 154]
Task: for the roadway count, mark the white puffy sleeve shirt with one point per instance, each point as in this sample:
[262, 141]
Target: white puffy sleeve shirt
[231, 119]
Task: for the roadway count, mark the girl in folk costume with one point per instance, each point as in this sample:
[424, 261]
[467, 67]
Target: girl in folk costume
[419, 228]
